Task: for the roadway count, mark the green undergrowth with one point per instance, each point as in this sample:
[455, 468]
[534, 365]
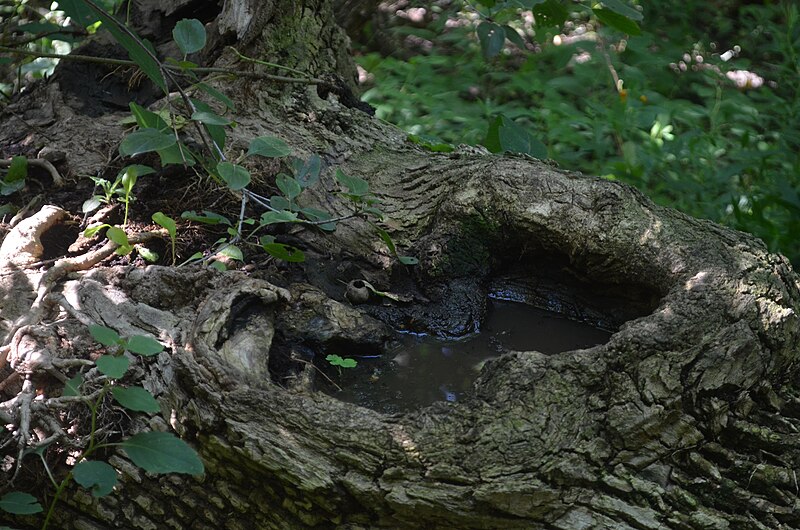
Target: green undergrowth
[679, 127]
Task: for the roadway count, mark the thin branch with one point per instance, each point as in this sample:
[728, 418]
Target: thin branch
[170, 67]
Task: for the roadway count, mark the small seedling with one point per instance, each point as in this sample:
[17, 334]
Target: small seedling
[336, 360]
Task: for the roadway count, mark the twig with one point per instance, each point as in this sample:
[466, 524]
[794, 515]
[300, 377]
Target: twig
[170, 67]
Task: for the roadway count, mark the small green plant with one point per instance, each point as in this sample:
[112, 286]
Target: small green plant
[120, 190]
[14, 179]
[341, 362]
[155, 452]
[168, 223]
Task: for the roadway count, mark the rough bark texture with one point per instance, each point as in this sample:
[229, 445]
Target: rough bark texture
[687, 418]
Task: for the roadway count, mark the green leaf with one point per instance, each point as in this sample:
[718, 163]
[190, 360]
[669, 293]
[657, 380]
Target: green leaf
[146, 118]
[140, 170]
[96, 476]
[183, 65]
[118, 236]
[139, 50]
[73, 386]
[113, 366]
[216, 94]
[268, 146]
[289, 186]
[147, 254]
[307, 171]
[312, 214]
[284, 252]
[431, 143]
[177, 154]
[145, 346]
[19, 503]
[207, 217]
[189, 35]
[162, 452]
[512, 35]
[92, 230]
[218, 133]
[236, 177]
[210, 118]
[492, 37]
[233, 252]
[135, 398]
[515, 139]
[105, 336]
[336, 360]
[79, 12]
[129, 178]
[18, 169]
[91, 204]
[505, 135]
[623, 9]
[282, 216]
[167, 222]
[617, 21]
[280, 203]
[550, 13]
[384, 235]
[145, 140]
[355, 185]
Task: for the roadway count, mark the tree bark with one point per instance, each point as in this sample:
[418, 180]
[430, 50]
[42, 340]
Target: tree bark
[687, 418]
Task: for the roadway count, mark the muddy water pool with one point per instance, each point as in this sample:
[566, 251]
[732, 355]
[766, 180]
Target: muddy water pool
[421, 369]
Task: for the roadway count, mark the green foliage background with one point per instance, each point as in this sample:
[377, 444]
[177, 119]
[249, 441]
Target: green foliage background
[683, 132]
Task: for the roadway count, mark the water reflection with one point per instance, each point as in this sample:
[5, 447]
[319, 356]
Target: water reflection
[421, 369]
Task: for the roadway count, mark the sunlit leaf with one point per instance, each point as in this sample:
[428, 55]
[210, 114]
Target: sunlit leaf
[167, 222]
[233, 252]
[147, 254]
[118, 236]
[336, 360]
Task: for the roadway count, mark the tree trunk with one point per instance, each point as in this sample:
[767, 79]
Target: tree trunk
[686, 418]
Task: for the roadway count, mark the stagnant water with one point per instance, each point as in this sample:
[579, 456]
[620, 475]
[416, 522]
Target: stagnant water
[422, 369]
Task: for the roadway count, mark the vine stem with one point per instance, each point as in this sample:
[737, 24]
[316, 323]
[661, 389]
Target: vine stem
[89, 450]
